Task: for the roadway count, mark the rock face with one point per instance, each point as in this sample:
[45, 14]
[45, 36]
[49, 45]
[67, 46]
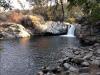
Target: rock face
[40, 27]
[12, 30]
[55, 27]
[88, 33]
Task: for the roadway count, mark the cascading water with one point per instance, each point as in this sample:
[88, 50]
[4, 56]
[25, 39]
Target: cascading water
[70, 33]
[71, 30]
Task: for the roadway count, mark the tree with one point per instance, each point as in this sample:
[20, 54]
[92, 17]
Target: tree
[4, 4]
[62, 7]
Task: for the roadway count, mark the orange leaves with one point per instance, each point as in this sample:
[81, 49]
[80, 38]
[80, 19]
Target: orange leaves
[15, 16]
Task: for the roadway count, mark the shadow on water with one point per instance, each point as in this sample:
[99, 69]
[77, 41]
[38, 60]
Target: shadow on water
[27, 55]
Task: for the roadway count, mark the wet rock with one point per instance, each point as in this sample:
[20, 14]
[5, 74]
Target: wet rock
[98, 73]
[73, 69]
[84, 74]
[77, 61]
[90, 49]
[62, 60]
[88, 56]
[1, 36]
[56, 70]
[86, 42]
[66, 65]
[98, 51]
[97, 58]
[45, 70]
[96, 62]
[96, 44]
[85, 64]
[67, 73]
[76, 52]
[84, 70]
[40, 73]
[73, 73]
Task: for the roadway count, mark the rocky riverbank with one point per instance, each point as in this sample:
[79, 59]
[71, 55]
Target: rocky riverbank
[14, 30]
[15, 23]
[82, 61]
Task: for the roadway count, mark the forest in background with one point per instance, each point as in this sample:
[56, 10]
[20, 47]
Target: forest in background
[64, 10]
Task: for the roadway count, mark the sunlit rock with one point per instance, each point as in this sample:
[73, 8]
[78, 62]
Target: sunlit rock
[12, 30]
[55, 27]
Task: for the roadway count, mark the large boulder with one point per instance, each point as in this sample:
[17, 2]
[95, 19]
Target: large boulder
[39, 26]
[12, 30]
[55, 27]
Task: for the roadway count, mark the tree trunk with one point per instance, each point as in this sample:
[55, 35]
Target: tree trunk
[62, 7]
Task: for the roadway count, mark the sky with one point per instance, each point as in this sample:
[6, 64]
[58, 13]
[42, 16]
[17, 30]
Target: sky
[20, 4]
[16, 4]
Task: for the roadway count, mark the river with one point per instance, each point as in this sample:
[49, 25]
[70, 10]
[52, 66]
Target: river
[27, 55]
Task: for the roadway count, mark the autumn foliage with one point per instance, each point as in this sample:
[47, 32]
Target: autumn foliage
[15, 16]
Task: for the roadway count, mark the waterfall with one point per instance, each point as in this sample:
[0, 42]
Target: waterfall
[70, 33]
[71, 29]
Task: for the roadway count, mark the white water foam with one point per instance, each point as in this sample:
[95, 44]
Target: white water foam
[70, 33]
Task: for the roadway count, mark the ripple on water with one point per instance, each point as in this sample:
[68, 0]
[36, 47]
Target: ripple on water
[27, 56]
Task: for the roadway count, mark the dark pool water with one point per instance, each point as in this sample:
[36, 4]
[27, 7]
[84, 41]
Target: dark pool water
[26, 56]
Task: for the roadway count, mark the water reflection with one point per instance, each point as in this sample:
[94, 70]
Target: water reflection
[25, 56]
[42, 43]
[24, 41]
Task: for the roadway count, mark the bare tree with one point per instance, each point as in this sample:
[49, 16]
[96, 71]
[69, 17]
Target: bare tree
[62, 7]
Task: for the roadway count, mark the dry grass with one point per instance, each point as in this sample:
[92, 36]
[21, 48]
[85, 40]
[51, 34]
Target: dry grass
[15, 16]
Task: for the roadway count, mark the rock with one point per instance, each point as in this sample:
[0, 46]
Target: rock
[98, 73]
[67, 65]
[40, 73]
[87, 56]
[61, 60]
[96, 44]
[45, 70]
[76, 52]
[84, 70]
[3, 17]
[96, 62]
[41, 27]
[55, 27]
[57, 70]
[85, 64]
[77, 61]
[67, 73]
[90, 49]
[12, 30]
[84, 74]
[86, 42]
[97, 58]
[73, 69]
[98, 51]
[1, 36]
